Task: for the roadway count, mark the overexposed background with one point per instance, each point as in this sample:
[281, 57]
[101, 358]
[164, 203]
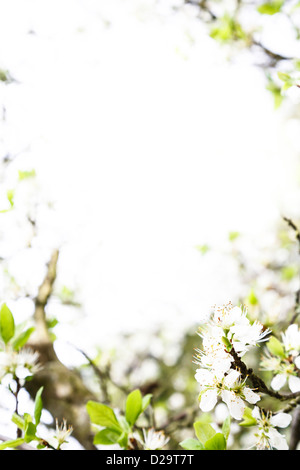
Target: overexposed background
[146, 143]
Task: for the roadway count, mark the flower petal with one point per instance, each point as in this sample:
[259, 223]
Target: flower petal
[235, 404]
[278, 381]
[280, 420]
[277, 440]
[208, 400]
[294, 383]
[250, 396]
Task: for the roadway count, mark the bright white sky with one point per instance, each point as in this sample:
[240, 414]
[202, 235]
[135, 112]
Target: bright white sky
[149, 144]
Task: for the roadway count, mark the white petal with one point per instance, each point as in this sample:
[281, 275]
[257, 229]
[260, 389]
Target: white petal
[278, 381]
[251, 396]
[235, 404]
[231, 378]
[204, 377]
[256, 413]
[294, 383]
[297, 361]
[277, 440]
[281, 420]
[208, 400]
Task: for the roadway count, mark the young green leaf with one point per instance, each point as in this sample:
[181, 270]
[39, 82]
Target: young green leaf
[38, 406]
[217, 442]
[133, 406]
[12, 443]
[248, 419]
[275, 347]
[19, 421]
[146, 401]
[227, 343]
[107, 437]
[123, 440]
[22, 338]
[10, 197]
[7, 324]
[102, 415]
[204, 431]
[270, 8]
[191, 444]
[226, 427]
[30, 432]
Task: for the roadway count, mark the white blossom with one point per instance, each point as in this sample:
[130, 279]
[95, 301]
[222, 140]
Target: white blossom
[19, 364]
[62, 432]
[279, 380]
[235, 325]
[230, 388]
[153, 440]
[285, 366]
[291, 340]
[267, 437]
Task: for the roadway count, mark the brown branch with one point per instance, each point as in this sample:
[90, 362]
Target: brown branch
[65, 394]
[258, 384]
[297, 295]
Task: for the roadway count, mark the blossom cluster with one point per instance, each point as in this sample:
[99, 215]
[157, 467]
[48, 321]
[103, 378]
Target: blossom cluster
[228, 330]
[267, 437]
[18, 364]
[284, 360]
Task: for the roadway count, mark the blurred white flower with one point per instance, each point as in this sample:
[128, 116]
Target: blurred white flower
[284, 366]
[153, 440]
[291, 340]
[62, 432]
[267, 437]
[19, 364]
[279, 380]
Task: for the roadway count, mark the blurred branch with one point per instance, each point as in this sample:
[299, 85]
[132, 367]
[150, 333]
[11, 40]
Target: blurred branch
[295, 427]
[65, 394]
[297, 295]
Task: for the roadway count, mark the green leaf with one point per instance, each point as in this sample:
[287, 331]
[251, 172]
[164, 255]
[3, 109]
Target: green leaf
[233, 236]
[133, 406]
[123, 440]
[22, 338]
[285, 77]
[227, 343]
[38, 406]
[30, 432]
[7, 324]
[10, 196]
[102, 415]
[146, 401]
[248, 418]
[19, 421]
[24, 174]
[204, 431]
[289, 272]
[275, 347]
[217, 442]
[203, 249]
[270, 8]
[191, 444]
[226, 427]
[252, 299]
[12, 444]
[107, 437]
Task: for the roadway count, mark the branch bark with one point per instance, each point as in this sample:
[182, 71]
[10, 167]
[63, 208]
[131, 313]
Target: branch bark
[65, 394]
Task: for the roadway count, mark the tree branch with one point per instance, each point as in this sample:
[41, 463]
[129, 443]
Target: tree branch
[258, 383]
[65, 394]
